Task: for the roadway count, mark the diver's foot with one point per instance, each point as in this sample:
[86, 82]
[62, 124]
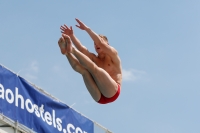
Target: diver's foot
[68, 43]
[62, 45]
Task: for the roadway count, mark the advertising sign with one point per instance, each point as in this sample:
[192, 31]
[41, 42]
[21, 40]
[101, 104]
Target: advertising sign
[23, 102]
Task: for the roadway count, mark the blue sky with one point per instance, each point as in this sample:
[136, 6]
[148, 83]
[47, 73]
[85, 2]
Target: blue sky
[157, 41]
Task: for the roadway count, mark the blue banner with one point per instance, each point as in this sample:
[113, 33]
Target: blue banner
[22, 102]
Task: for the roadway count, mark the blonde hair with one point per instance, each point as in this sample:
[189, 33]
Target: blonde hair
[104, 37]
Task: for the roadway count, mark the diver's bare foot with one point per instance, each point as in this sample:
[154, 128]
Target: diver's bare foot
[68, 43]
[63, 46]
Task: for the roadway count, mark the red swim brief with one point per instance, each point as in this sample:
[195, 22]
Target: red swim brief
[104, 100]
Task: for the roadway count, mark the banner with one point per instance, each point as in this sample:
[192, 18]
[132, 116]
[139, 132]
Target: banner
[22, 102]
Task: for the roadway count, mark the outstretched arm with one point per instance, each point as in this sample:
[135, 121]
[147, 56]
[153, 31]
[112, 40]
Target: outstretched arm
[69, 31]
[100, 41]
[95, 37]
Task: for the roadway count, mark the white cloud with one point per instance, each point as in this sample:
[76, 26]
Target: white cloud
[30, 76]
[30, 73]
[60, 71]
[132, 74]
[56, 68]
[34, 66]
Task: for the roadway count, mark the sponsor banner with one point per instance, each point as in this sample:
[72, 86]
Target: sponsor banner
[22, 102]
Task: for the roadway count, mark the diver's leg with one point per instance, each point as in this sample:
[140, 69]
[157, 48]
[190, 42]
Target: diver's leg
[88, 80]
[107, 86]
